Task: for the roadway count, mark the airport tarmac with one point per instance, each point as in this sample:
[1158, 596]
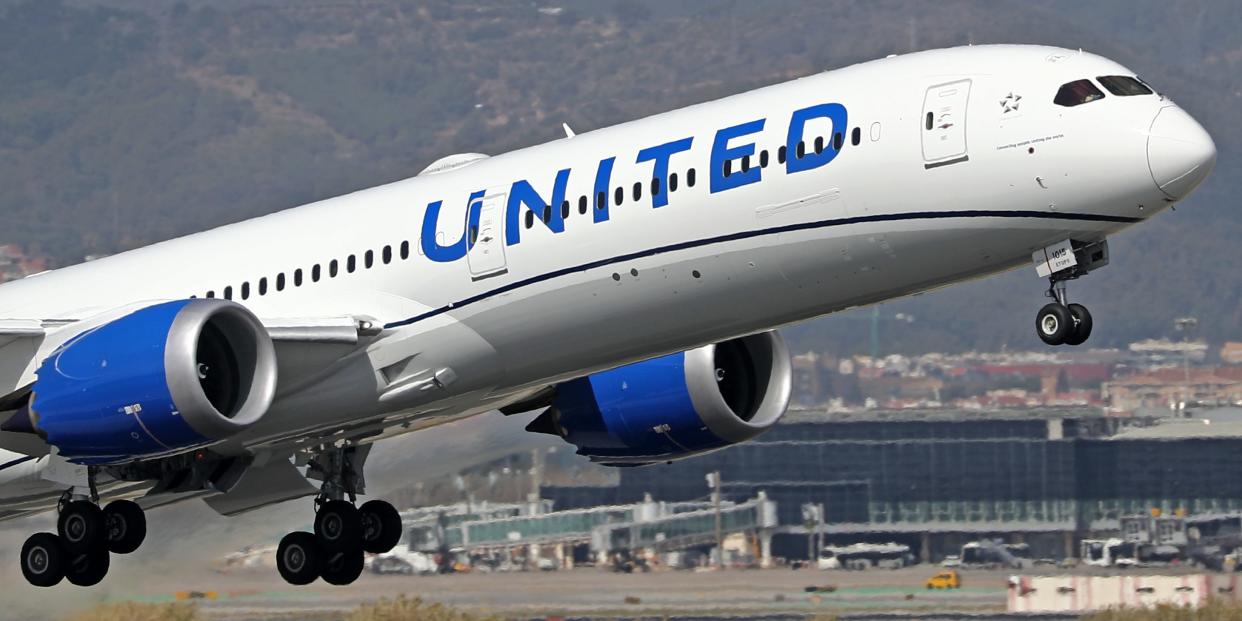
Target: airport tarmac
[258, 594]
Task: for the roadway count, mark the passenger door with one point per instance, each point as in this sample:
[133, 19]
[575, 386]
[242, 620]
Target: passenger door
[486, 248]
[944, 124]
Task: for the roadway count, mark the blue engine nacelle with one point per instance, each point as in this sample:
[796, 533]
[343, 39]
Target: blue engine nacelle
[163, 379]
[675, 406]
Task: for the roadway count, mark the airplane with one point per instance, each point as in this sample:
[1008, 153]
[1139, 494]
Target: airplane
[625, 284]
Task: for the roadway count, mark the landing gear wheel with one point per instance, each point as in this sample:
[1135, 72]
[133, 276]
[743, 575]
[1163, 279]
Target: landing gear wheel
[88, 568]
[1082, 325]
[1054, 323]
[299, 558]
[126, 526]
[338, 527]
[43, 560]
[343, 568]
[81, 527]
[381, 526]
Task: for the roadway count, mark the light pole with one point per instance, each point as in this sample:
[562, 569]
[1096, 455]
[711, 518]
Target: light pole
[1185, 325]
[713, 481]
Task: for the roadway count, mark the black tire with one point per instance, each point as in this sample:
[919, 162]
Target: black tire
[81, 527]
[381, 526]
[126, 526]
[343, 568]
[88, 568]
[338, 527]
[299, 558]
[1054, 324]
[1082, 325]
[43, 560]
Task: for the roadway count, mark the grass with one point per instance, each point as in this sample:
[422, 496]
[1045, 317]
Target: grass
[134, 611]
[1214, 610]
[411, 609]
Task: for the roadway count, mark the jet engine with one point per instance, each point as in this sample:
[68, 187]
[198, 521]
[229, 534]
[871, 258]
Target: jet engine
[675, 406]
[166, 378]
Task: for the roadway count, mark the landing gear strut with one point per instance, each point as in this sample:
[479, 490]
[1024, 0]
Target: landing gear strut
[86, 537]
[1060, 322]
[343, 531]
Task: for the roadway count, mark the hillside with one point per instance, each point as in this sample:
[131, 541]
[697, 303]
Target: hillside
[124, 122]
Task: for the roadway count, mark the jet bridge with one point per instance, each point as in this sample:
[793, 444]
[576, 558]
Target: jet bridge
[644, 525]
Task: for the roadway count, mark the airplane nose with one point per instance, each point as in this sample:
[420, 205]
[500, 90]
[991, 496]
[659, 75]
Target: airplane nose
[1180, 153]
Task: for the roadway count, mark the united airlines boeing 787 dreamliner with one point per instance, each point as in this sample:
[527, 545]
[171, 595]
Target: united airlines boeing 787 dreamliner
[626, 281]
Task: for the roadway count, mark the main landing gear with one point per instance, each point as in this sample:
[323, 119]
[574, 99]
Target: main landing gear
[343, 532]
[86, 537]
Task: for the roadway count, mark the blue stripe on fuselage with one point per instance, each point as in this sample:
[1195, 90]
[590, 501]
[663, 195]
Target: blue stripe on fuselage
[803, 226]
[16, 462]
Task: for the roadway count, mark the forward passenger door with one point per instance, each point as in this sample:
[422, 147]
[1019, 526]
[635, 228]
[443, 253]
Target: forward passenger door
[486, 245]
[944, 124]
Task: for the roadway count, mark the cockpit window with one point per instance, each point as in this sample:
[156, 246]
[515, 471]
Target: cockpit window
[1077, 93]
[1124, 85]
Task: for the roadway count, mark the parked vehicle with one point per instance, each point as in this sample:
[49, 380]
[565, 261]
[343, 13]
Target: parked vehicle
[945, 580]
[865, 556]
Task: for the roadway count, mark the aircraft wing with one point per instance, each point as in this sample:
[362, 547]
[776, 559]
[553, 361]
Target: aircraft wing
[19, 328]
[306, 349]
[344, 329]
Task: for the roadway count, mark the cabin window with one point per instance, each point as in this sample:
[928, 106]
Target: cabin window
[245, 291]
[263, 286]
[315, 273]
[565, 209]
[530, 219]
[780, 155]
[856, 136]
[838, 141]
[1124, 85]
[582, 205]
[801, 149]
[405, 250]
[672, 182]
[728, 167]
[601, 200]
[547, 214]
[351, 264]
[280, 281]
[763, 158]
[368, 259]
[211, 294]
[297, 277]
[228, 293]
[387, 255]
[746, 163]
[690, 178]
[618, 196]
[819, 145]
[638, 190]
[655, 187]
[333, 269]
[1077, 93]
[875, 131]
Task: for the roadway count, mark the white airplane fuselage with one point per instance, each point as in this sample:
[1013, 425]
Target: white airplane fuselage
[950, 165]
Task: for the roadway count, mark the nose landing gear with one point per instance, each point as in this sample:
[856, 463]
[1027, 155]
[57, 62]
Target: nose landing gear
[1061, 323]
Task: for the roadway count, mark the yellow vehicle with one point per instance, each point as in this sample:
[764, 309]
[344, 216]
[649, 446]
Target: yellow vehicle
[945, 580]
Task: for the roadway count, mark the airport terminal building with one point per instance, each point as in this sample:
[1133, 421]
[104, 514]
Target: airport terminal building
[936, 479]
